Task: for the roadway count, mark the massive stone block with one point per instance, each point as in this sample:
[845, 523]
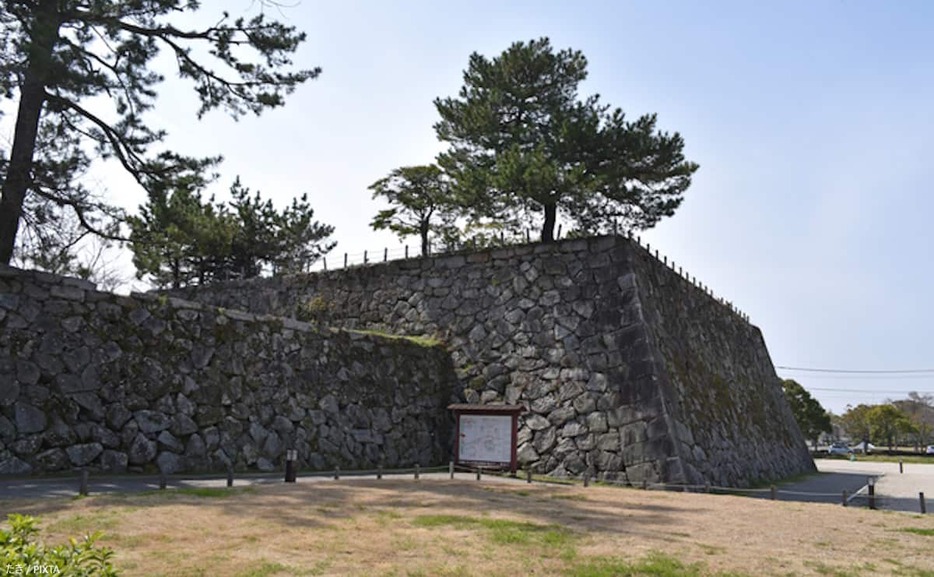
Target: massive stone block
[629, 371]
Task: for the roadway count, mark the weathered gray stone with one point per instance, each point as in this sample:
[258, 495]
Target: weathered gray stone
[168, 463]
[114, 461]
[142, 450]
[7, 430]
[168, 441]
[53, 460]
[29, 419]
[117, 415]
[182, 425]
[151, 422]
[104, 436]
[81, 455]
[14, 466]
[27, 373]
[26, 446]
[195, 447]
[8, 394]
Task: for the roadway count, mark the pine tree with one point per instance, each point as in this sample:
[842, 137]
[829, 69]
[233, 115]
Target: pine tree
[57, 57]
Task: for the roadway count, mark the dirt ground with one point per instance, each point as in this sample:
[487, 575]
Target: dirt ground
[406, 527]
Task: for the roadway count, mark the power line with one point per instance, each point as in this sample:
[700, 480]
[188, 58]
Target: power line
[850, 371]
[868, 391]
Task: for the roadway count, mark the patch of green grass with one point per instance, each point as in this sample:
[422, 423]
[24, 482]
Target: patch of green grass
[87, 523]
[203, 492]
[421, 340]
[505, 531]
[917, 531]
[263, 569]
[824, 569]
[655, 564]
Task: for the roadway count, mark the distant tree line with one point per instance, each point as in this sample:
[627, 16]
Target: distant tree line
[908, 421]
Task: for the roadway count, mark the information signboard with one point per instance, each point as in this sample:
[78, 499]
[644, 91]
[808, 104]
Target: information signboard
[487, 435]
[485, 439]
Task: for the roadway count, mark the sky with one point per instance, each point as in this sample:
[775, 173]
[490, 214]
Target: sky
[812, 123]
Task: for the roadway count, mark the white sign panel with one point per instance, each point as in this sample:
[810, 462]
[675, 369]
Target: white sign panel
[485, 438]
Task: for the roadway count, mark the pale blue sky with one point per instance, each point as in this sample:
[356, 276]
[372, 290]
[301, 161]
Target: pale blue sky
[812, 123]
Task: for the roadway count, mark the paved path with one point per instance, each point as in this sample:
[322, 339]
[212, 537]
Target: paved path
[67, 486]
[897, 491]
[894, 490]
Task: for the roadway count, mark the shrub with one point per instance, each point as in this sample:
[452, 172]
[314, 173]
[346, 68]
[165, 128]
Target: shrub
[21, 554]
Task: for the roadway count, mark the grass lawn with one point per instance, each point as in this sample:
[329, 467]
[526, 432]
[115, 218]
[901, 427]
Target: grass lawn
[439, 527]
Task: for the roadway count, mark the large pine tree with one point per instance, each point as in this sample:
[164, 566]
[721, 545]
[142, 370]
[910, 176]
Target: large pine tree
[526, 149]
[80, 72]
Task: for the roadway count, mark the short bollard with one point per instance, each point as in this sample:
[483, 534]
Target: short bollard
[230, 476]
[83, 487]
[417, 471]
[773, 492]
[290, 456]
[379, 472]
[924, 507]
[162, 481]
[586, 480]
[528, 475]
[845, 497]
[479, 473]
[337, 472]
[901, 466]
[872, 493]
[451, 468]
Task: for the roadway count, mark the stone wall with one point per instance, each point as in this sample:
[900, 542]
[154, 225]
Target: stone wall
[627, 370]
[92, 379]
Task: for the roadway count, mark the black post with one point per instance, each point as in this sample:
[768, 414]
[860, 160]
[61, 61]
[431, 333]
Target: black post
[845, 495]
[230, 476]
[872, 494]
[345, 260]
[924, 507]
[290, 456]
[772, 491]
[379, 472]
[451, 468]
[901, 466]
[528, 475]
[586, 479]
[385, 254]
[337, 472]
[162, 482]
[365, 261]
[83, 487]
[479, 473]
[417, 471]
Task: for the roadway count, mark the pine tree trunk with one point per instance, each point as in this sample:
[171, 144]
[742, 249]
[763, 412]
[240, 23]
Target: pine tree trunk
[423, 232]
[31, 100]
[551, 217]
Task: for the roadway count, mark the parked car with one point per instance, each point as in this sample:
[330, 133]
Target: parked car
[929, 450]
[839, 449]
